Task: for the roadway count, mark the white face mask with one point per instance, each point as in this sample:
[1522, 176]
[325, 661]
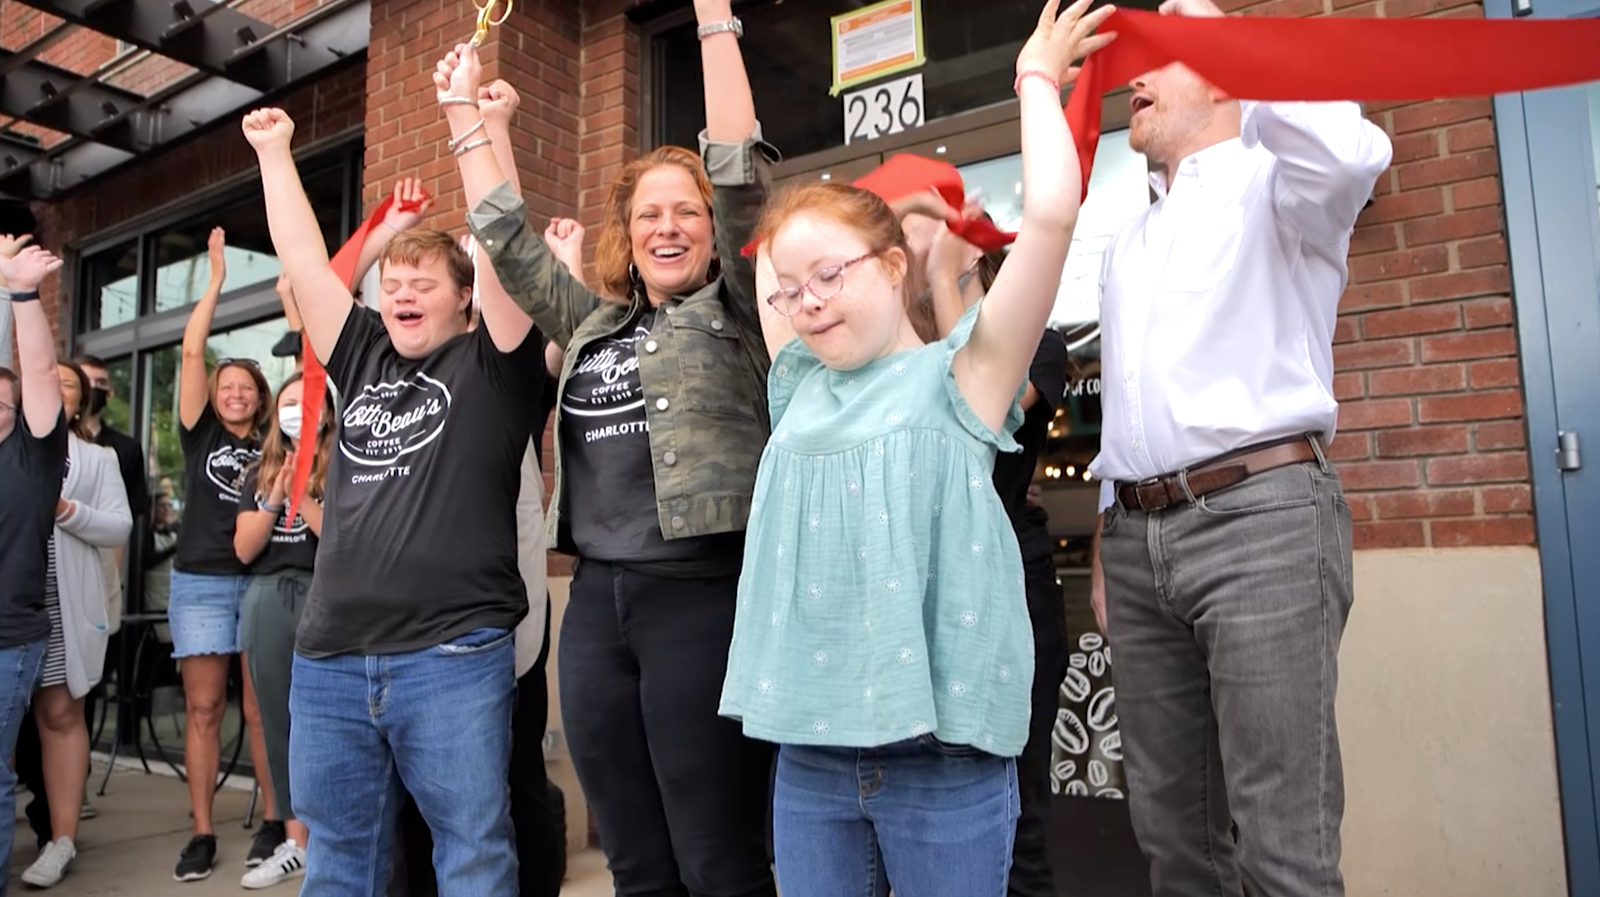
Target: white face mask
[289, 421]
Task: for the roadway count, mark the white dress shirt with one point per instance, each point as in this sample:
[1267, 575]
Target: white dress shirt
[1218, 302]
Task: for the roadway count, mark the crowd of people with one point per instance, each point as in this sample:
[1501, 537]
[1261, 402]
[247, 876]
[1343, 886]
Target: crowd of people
[814, 633]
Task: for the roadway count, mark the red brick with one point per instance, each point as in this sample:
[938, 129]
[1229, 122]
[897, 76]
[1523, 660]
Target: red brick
[1499, 467]
[1346, 330]
[1488, 313]
[1296, 9]
[1473, 194]
[1500, 435]
[1350, 447]
[1369, 475]
[1460, 346]
[1507, 499]
[1470, 406]
[1471, 136]
[1360, 506]
[1373, 354]
[1371, 415]
[1481, 253]
[1515, 530]
[1410, 9]
[1437, 503]
[1461, 284]
[1405, 206]
[1496, 373]
[1439, 112]
[1389, 534]
[1422, 441]
[1368, 296]
[1447, 170]
[1411, 321]
[1412, 147]
[1374, 238]
[1404, 263]
[1348, 386]
[1458, 226]
[1417, 380]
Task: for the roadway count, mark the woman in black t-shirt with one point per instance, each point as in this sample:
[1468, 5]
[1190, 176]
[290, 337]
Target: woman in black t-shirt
[280, 553]
[221, 419]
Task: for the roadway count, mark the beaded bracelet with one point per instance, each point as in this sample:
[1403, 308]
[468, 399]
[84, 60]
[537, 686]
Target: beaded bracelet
[1016, 86]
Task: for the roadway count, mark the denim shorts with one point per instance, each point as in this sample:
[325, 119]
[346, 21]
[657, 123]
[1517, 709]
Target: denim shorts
[203, 612]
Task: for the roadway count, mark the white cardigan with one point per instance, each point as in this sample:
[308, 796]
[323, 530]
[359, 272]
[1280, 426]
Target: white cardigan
[96, 524]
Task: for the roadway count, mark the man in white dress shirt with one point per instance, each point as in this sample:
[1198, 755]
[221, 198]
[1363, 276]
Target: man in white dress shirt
[1223, 557]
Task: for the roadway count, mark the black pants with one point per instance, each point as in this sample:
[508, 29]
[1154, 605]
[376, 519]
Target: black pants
[538, 812]
[1031, 872]
[681, 797]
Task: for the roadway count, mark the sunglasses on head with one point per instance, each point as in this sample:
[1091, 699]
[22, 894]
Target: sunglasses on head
[249, 362]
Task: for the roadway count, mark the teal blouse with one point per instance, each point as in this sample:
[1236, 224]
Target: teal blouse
[881, 597]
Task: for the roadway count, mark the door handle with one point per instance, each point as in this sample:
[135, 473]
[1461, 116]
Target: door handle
[1569, 453]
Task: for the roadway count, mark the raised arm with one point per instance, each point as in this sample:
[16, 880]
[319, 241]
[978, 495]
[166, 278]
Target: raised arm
[23, 268]
[991, 367]
[538, 283]
[193, 393]
[1329, 158]
[324, 300]
[407, 192]
[508, 325]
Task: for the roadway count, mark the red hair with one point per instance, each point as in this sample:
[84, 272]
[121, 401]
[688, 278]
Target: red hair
[863, 212]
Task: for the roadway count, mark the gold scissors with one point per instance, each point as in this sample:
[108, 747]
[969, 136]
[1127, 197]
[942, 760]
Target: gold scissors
[486, 18]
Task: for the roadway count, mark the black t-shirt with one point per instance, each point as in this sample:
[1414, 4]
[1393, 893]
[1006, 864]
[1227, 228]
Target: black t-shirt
[419, 536]
[31, 471]
[291, 546]
[214, 461]
[1013, 471]
[605, 441]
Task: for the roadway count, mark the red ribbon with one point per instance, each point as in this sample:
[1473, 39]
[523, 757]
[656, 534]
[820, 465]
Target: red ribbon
[1265, 58]
[314, 378]
[905, 174]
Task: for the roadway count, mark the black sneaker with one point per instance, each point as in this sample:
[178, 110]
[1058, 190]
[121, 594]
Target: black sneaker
[268, 837]
[197, 859]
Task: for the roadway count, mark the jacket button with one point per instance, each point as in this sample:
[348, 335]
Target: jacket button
[670, 458]
[650, 346]
[716, 325]
[677, 523]
[661, 404]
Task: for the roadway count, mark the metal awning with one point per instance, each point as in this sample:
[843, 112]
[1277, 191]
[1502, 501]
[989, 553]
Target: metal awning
[237, 62]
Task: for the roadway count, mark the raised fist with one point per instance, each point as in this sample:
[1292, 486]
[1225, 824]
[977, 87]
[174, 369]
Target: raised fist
[268, 129]
[497, 101]
[458, 73]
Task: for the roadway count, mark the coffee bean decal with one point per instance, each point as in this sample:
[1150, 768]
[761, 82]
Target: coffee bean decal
[1085, 745]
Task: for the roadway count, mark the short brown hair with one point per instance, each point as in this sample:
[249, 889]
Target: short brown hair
[415, 246]
[614, 251]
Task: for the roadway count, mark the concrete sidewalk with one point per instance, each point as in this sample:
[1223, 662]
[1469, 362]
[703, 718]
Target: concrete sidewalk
[130, 848]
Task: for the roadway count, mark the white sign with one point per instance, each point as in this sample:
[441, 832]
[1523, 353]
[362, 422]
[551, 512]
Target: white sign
[875, 41]
[887, 108]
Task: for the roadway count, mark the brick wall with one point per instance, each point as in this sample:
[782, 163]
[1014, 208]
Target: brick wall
[1432, 444]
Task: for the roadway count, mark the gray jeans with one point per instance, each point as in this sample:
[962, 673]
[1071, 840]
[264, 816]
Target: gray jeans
[1225, 617]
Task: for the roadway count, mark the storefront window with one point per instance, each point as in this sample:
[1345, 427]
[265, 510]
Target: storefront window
[971, 50]
[163, 452]
[110, 286]
[182, 271]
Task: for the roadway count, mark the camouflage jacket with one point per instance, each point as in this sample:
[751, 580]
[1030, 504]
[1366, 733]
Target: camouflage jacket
[703, 371]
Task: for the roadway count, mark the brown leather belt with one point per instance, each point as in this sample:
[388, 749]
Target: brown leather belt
[1219, 473]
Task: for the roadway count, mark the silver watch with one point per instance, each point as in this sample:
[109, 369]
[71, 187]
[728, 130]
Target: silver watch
[733, 24]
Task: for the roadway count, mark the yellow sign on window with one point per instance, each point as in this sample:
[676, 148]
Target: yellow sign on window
[875, 41]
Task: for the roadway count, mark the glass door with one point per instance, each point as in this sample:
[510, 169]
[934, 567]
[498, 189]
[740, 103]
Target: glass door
[1550, 158]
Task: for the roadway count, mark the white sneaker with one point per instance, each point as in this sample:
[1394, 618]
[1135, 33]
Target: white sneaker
[288, 861]
[48, 869]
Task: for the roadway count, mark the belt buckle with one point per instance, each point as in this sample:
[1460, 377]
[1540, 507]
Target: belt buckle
[1138, 493]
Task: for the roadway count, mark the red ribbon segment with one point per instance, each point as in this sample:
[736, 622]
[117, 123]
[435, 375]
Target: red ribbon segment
[1266, 58]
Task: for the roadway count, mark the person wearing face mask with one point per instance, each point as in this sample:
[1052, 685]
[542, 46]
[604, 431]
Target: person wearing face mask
[281, 554]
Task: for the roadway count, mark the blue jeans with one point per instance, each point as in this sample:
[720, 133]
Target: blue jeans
[931, 819]
[19, 677]
[437, 721]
